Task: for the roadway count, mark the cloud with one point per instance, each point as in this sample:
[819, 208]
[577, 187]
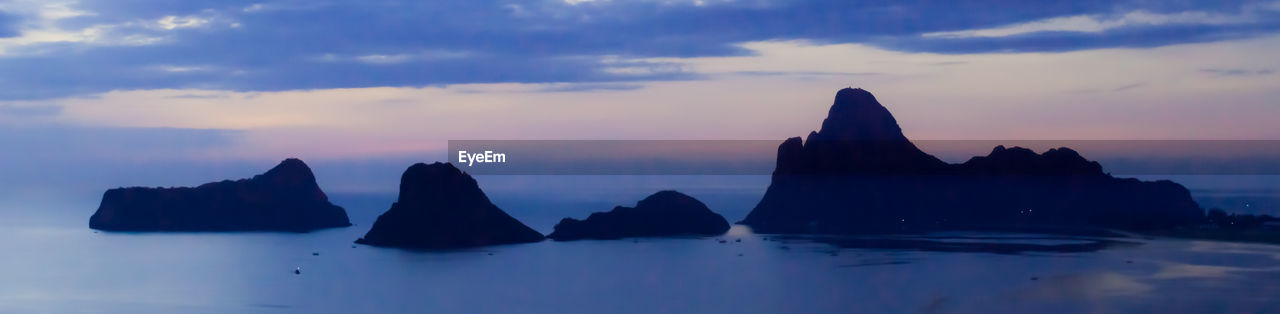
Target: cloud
[27, 110]
[199, 96]
[384, 59]
[1138, 37]
[181, 69]
[391, 59]
[175, 22]
[1128, 87]
[803, 73]
[93, 46]
[1116, 89]
[1238, 72]
[582, 87]
[1095, 24]
[9, 24]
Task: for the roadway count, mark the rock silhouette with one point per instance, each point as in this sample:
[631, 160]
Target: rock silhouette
[440, 207]
[665, 213]
[859, 174]
[285, 198]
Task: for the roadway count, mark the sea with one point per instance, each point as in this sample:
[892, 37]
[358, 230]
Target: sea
[51, 262]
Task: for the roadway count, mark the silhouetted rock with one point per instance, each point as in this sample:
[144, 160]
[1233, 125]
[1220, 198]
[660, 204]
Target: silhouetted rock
[441, 207]
[859, 174]
[285, 198]
[666, 213]
[859, 136]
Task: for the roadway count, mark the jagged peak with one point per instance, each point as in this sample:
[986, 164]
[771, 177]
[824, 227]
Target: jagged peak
[289, 171]
[848, 97]
[1019, 160]
[855, 114]
[1017, 151]
[435, 168]
[290, 165]
[1063, 152]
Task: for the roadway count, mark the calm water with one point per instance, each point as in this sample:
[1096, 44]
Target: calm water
[53, 264]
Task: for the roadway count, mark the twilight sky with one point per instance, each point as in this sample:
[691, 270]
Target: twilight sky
[155, 89]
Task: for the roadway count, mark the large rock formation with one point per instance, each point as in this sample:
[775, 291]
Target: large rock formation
[285, 198]
[666, 213]
[440, 207]
[860, 174]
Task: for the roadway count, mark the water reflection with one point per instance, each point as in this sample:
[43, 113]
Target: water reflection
[1174, 271]
[1008, 244]
[876, 262]
[1085, 286]
[57, 269]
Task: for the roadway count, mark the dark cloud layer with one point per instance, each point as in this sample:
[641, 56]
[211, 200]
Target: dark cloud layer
[284, 45]
[9, 24]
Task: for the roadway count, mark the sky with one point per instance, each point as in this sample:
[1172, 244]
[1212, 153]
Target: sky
[141, 92]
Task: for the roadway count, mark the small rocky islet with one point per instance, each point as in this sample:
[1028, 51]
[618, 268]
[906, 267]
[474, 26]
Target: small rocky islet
[666, 213]
[285, 198]
[441, 207]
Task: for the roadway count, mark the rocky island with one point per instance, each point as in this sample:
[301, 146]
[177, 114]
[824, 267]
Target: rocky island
[860, 174]
[285, 198]
[441, 207]
[666, 213]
